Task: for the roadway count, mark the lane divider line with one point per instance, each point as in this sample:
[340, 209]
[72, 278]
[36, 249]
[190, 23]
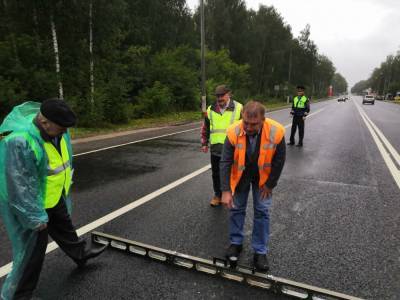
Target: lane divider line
[4, 270]
[395, 172]
[160, 136]
[135, 142]
[388, 145]
[119, 212]
[312, 114]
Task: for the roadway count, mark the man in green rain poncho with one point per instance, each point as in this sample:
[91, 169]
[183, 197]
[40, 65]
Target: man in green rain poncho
[35, 180]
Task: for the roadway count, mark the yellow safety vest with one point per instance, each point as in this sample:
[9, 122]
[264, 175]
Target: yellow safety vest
[219, 123]
[300, 103]
[59, 175]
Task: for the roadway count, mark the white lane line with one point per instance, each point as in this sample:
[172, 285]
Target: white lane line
[4, 270]
[385, 154]
[134, 142]
[119, 212]
[160, 136]
[388, 145]
[314, 113]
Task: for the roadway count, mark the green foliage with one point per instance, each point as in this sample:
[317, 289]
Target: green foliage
[155, 100]
[10, 95]
[145, 56]
[386, 78]
[114, 100]
[176, 68]
[221, 69]
[339, 84]
[360, 86]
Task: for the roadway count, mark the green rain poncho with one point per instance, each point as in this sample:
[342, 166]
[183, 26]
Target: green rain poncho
[23, 171]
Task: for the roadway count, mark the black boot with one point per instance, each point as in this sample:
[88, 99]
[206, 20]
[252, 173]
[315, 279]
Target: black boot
[93, 252]
[233, 253]
[261, 262]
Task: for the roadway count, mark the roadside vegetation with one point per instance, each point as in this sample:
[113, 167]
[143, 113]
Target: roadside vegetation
[117, 62]
[384, 80]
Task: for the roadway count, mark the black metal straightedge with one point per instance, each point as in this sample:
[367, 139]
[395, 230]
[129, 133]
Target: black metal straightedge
[220, 267]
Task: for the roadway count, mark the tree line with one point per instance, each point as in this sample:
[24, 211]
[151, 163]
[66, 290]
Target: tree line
[114, 60]
[384, 80]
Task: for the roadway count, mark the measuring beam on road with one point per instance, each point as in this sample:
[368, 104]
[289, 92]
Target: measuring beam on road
[221, 268]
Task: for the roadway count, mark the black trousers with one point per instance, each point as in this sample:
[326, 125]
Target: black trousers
[297, 122]
[215, 175]
[62, 231]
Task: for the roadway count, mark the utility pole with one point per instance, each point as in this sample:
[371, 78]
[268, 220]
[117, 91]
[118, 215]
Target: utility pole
[289, 73]
[91, 52]
[290, 66]
[203, 64]
[56, 55]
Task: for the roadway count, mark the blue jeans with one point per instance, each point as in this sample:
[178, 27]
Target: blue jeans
[260, 235]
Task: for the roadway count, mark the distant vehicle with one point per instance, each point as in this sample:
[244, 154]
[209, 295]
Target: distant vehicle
[342, 99]
[379, 97]
[368, 99]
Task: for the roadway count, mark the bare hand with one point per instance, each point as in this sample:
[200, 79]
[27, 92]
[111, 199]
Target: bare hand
[204, 149]
[227, 200]
[41, 227]
[265, 192]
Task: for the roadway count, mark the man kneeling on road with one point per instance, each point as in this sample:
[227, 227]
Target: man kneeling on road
[253, 155]
[35, 180]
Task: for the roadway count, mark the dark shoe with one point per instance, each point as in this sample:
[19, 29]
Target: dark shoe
[261, 262]
[91, 253]
[299, 145]
[290, 144]
[233, 253]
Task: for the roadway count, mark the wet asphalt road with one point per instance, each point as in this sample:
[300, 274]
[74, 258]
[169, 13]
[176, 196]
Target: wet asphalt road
[334, 222]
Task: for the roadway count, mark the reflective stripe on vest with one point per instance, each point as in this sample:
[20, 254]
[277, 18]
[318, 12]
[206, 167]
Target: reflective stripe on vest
[272, 135]
[219, 123]
[299, 103]
[59, 176]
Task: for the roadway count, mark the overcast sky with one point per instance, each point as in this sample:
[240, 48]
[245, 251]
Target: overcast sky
[356, 35]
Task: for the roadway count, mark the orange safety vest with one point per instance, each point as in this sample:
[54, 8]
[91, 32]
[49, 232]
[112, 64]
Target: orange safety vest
[272, 134]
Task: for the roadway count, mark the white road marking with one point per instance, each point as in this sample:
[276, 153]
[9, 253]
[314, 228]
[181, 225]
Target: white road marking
[134, 142]
[314, 113]
[4, 270]
[378, 138]
[119, 212]
[160, 136]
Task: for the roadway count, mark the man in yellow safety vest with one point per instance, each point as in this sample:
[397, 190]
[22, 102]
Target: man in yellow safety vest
[35, 183]
[300, 110]
[220, 116]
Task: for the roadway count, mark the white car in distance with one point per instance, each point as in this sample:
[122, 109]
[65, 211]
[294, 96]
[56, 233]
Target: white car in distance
[368, 99]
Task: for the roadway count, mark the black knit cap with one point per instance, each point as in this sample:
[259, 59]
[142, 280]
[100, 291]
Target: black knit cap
[301, 87]
[57, 111]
